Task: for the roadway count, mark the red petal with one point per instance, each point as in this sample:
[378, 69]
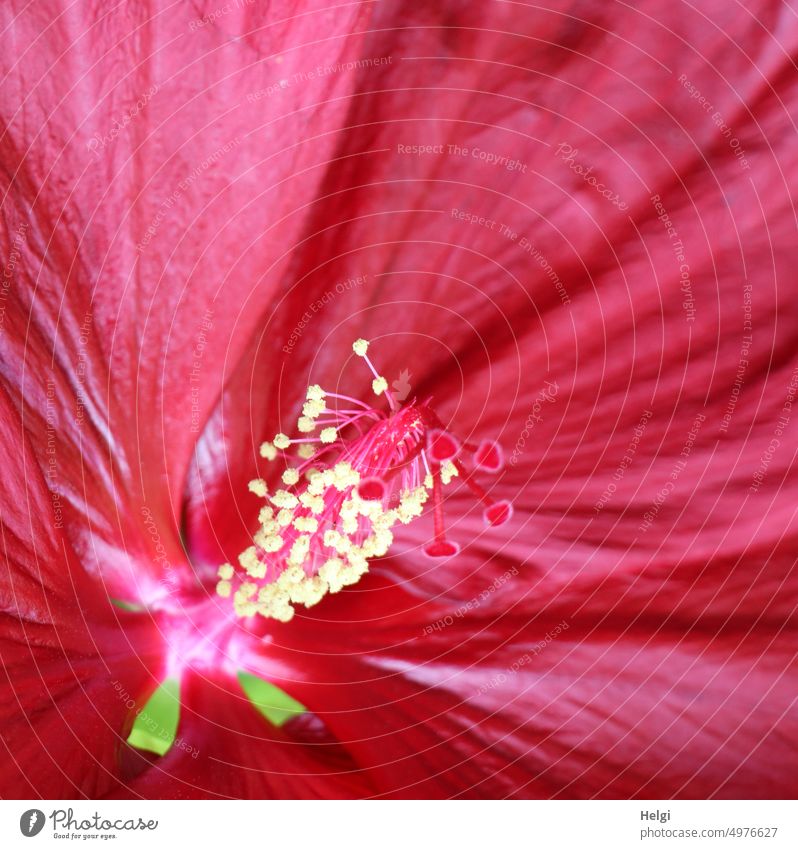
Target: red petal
[164, 192]
[65, 658]
[466, 703]
[494, 334]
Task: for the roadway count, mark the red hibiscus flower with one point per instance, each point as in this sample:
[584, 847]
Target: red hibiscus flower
[555, 500]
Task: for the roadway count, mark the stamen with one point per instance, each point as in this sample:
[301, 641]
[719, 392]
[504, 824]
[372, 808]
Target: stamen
[379, 384]
[345, 489]
[440, 546]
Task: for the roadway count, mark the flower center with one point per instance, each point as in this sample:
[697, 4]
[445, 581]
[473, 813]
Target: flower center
[352, 474]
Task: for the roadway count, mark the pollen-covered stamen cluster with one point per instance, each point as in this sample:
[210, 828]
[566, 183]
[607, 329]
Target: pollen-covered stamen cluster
[349, 477]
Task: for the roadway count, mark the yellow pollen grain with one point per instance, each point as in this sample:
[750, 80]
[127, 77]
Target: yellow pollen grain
[377, 544]
[306, 451]
[281, 441]
[266, 513]
[248, 589]
[411, 504]
[284, 518]
[283, 614]
[306, 523]
[225, 572]
[290, 477]
[372, 509]
[352, 574]
[315, 393]
[328, 435]
[337, 541]
[292, 575]
[251, 563]
[306, 425]
[310, 592]
[348, 508]
[330, 572]
[299, 551]
[313, 409]
[224, 588]
[268, 450]
[284, 499]
[258, 486]
[386, 520]
[448, 471]
[379, 385]
[272, 543]
[241, 600]
[345, 476]
[316, 504]
[360, 346]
